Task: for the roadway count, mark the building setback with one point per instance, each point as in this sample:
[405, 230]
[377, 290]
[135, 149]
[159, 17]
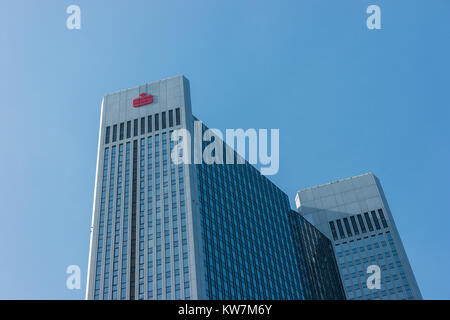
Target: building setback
[355, 215]
[167, 231]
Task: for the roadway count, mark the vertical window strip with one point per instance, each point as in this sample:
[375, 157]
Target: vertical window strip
[355, 226]
[141, 217]
[185, 252]
[167, 242]
[361, 223]
[341, 230]
[177, 116]
[158, 248]
[347, 227]
[170, 118]
[101, 226]
[375, 220]
[114, 137]
[121, 133]
[156, 122]
[369, 223]
[106, 275]
[123, 290]
[383, 218]
[163, 120]
[108, 129]
[150, 217]
[149, 124]
[333, 230]
[128, 129]
[135, 127]
[117, 224]
[143, 125]
[133, 221]
[175, 230]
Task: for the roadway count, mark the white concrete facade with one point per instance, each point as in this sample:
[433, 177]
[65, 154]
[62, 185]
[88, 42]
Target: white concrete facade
[110, 270]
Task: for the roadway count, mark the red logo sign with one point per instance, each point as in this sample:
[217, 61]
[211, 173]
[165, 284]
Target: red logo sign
[143, 100]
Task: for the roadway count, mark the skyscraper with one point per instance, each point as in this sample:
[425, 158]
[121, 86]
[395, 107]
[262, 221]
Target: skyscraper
[355, 215]
[192, 231]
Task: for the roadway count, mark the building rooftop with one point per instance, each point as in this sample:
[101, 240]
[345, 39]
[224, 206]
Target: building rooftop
[337, 181]
[136, 87]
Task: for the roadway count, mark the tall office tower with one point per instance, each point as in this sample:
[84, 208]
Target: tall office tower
[355, 215]
[190, 231]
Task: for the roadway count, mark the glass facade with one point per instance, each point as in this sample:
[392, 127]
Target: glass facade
[247, 248]
[318, 268]
[356, 254]
[254, 246]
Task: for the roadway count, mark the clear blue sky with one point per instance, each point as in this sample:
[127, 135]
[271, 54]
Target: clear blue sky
[346, 100]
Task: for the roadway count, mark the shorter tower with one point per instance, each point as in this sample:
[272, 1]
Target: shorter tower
[355, 215]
